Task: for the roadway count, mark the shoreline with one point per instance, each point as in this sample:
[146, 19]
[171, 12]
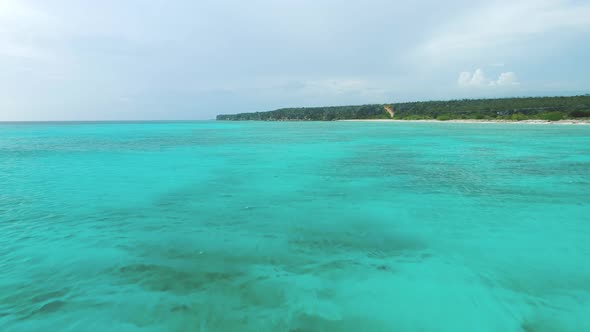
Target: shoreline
[475, 121]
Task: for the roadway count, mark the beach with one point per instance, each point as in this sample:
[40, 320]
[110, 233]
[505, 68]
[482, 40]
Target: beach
[538, 122]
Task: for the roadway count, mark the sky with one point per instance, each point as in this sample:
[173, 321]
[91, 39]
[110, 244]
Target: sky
[193, 59]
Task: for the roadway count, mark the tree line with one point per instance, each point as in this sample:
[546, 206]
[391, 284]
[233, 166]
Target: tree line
[546, 108]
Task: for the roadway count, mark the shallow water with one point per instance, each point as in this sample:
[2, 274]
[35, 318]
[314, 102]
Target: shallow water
[223, 226]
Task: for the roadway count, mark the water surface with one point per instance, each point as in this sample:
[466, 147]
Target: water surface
[245, 226]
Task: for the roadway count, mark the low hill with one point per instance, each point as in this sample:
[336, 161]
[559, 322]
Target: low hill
[548, 108]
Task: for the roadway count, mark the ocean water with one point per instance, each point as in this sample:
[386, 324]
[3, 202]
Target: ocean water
[293, 226]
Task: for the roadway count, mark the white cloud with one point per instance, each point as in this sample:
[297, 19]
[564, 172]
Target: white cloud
[479, 79]
[464, 78]
[326, 86]
[507, 79]
[21, 25]
[489, 30]
[56, 57]
[11, 10]
[340, 87]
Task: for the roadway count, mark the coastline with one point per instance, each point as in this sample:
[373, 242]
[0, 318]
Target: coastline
[539, 122]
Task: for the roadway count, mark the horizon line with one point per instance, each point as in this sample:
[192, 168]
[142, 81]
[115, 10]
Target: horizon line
[214, 119]
[100, 121]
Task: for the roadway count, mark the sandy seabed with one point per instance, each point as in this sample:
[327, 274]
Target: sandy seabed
[218, 226]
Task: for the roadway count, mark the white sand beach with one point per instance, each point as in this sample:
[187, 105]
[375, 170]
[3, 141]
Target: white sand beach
[540, 122]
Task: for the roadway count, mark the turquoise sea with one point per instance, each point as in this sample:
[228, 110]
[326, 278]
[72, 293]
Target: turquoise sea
[294, 226]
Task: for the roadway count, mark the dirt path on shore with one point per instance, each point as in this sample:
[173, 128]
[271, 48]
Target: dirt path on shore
[389, 110]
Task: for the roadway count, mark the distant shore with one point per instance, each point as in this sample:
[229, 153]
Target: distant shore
[540, 122]
[527, 110]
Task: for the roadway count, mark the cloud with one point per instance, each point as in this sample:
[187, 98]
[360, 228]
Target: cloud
[15, 11]
[476, 79]
[507, 79]
[76, 59]
[487, 30]
[367, 88]
[20, 26]
[479, 79]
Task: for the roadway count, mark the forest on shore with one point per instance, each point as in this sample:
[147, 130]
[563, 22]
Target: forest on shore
[517, 109]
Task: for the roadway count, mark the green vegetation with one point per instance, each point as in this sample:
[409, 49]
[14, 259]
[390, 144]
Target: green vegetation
[553, 116]
[518, 117]
[314, 114]
[517, 109]
[580, 114]
[445, 117]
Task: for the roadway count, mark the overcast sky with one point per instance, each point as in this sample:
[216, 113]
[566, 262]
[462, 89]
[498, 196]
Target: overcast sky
[193, 59]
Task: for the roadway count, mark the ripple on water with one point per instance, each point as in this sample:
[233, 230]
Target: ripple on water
[294, 227]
